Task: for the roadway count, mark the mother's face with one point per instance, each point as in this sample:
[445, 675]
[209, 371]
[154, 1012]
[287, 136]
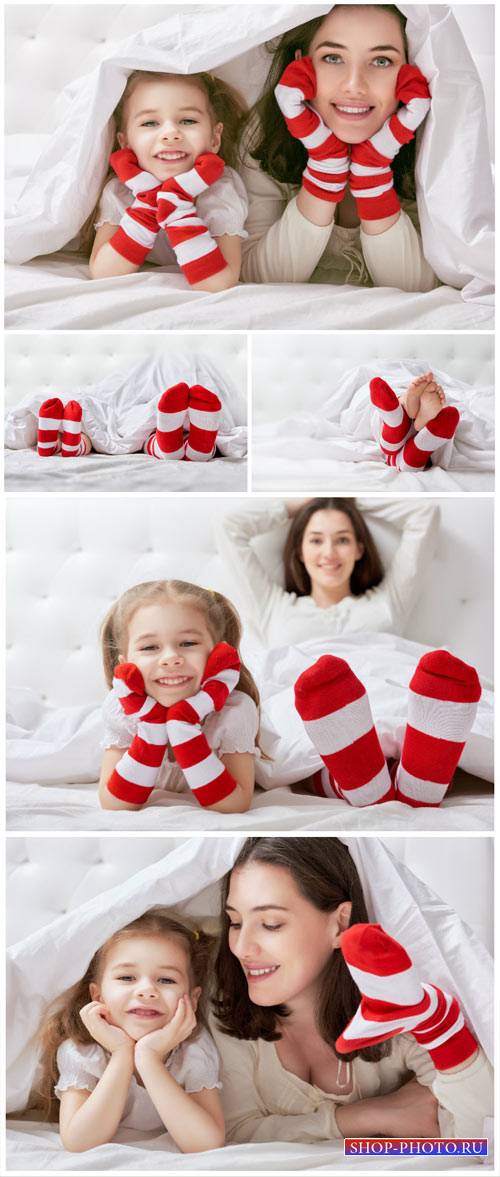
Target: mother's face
[357, 53]
[330, 549]
[282, 941]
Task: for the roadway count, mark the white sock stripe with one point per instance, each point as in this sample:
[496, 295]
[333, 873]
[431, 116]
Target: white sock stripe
[49, 424]
[391, 417]
[152, 733]
[317, 137]
[137, 232]
[441, 718]
[458, 1024]
[395, 446]
[361, 169]
[191, 183]
[47, 445]
[204, 772]
[370, 793]
[180, 732]
[194, 248]
[326, 784]
[413, 114]
[333, 732]
[326, 185]
[366, 193]
[419, 790]
[138, 774]
[205, 418]
[70, 426]
[72, 449]
[290, 100]
[198, 455]
[334, 166]
[385, 142]
[168, 422]
[428, 442]
[403, 988]
[165, 455]
[230, 677]
[361, 1028]
[141, 182]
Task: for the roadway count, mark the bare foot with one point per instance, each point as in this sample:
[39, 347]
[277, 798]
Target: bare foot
[431, 402]
[410, 400]
[88, 445]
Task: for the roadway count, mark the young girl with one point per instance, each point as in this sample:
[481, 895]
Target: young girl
[187, 423]
[172, 199]
[182, 711]
[326, 160]
[413, 429]
[127, 1046]
[296, 1067]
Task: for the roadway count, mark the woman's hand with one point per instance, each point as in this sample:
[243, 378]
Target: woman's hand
[370, 178]
[325, 176]
[95, 1019]
[163, 1042]
[410, 1111]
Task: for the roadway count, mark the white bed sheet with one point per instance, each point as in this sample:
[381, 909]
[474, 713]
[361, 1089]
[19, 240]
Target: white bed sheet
[120, 472]
[53, 756]
[52, 293]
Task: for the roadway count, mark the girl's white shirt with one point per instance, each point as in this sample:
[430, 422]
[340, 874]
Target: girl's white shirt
[234, 729]
[223, 208]
[282, 618]
[194, 1064]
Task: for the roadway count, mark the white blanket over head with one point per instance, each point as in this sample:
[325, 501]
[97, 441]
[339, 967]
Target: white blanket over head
[41, 967]
[119, 412]
[453, 172]
[344, 428]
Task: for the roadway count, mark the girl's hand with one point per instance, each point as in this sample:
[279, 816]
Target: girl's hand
[135, 774]
[196, 251]
[163, 1042]
[138, 229]
[95, 1019]
[370, 178]
[325, 176]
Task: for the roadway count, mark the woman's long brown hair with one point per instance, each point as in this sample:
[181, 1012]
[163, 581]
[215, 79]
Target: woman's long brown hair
[368, 571]
[63, 1018]
[326, 876]
[265, 135]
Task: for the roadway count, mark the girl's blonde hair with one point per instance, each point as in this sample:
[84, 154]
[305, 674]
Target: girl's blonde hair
[225, 106]
[63, 1020]
[221, 617]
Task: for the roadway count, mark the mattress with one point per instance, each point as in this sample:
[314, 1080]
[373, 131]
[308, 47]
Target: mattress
[121, 472]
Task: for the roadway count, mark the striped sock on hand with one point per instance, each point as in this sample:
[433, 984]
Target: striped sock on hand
[205, 774]
[135, 775]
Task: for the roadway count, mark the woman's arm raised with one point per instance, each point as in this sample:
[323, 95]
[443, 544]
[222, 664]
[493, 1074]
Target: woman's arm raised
[418, 525]
[234, 534]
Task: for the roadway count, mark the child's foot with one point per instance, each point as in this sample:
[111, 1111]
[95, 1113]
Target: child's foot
[410, 400]
[432, 401]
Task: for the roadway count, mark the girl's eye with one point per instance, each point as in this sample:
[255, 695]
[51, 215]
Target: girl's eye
[150, 123]
[187, 643]
[127, 978]
[147, 649]
[167, 980]
[190, 122]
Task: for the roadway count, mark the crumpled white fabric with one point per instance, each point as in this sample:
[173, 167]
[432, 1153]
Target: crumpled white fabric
[345, 422]
[40, 967]
[119, 411]
[62, 745]
[454, 183]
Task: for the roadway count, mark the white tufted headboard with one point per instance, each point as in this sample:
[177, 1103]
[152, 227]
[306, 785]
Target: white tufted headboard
[296, 372]
[67, 562]
[52, 44]
[47, 877]
[55, 362]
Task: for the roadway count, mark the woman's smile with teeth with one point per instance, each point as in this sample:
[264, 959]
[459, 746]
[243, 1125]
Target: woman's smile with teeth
[262, 972]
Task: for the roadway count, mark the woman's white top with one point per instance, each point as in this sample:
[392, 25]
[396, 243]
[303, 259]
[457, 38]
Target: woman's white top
[283, 246]
[263, 1101]
[234, 729]
[223, 208]
[194, 1064]
[283, 618]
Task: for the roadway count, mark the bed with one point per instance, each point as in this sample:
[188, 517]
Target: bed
[47, 287]
[67, 902]
[96, 549]
[118, 382]
[312, 427]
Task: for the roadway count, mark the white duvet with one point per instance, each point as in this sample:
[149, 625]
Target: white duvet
[41, 966]
[48, 203]
[53, 756]
[335, 445]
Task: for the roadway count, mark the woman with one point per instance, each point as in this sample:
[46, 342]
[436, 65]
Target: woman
[346, 67]
[334, 579]
[286, 993]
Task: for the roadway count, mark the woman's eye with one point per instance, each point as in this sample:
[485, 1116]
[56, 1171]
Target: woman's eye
[272, 927]
[383, 62]
[332, 58]
[231, 926]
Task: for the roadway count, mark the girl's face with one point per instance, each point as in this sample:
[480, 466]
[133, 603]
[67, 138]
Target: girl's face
[357, 53]
[170, 643]
[283, 942]
[330, 550]
[168, 125]
[142, 981]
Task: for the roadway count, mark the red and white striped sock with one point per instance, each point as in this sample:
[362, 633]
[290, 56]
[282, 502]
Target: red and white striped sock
[197, 253]
[395, 424]
[325, 175]
[371, 180]
[205, 774]
[442, 706]
[334, 707]
[49, 425]
[73, 444]
[417, 452]
[138, 228]
[168, 441]
[135, 775]
[204, 415]
[395, 1001]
